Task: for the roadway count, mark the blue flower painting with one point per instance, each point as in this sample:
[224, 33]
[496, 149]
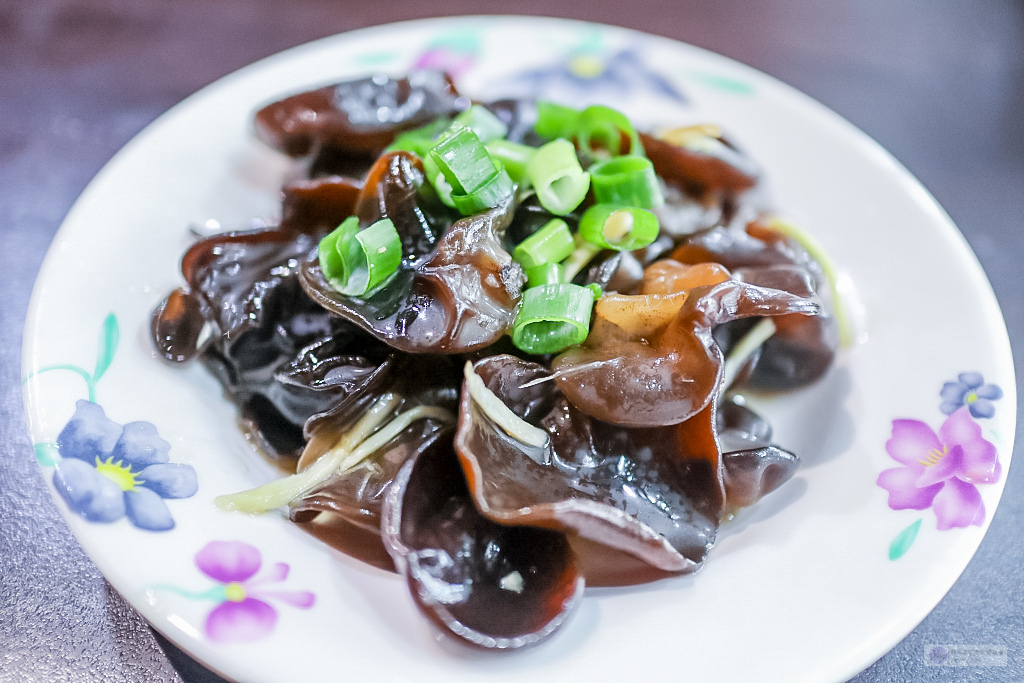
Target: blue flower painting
[970, 390]
[585, 71]
[592, 70]
[108, 471]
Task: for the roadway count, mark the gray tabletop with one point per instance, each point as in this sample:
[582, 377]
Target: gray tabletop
[939, 83]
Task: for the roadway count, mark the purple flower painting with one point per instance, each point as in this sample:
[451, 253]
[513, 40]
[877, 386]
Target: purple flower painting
[108, 471]
[941, 470]
[454, 53]
[245, 612]
[970, 390]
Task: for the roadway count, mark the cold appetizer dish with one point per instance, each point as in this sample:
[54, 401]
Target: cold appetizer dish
[506, 342]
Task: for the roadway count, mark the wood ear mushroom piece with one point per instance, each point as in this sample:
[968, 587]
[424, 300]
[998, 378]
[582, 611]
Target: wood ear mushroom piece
[357, 494]
[638, 375]
[654, 493]
[753, 466]
[281, 358]
[803, 348]
[358, 118]
[492, 585]
[461, 297]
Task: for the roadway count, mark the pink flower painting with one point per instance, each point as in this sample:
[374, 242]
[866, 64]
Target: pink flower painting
[246, 612]
[941, 470]
[245, 598]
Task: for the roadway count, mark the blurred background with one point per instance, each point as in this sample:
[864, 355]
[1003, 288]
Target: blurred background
[939, 83]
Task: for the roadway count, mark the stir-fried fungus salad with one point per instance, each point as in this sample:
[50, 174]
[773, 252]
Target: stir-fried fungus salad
[505, 342]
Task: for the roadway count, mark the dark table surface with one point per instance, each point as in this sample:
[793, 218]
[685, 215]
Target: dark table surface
[939, 83]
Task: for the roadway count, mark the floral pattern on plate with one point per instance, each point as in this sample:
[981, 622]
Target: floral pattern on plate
[941, 469]
[590, 67]
[89, 272]
[451, 51]
[244, 611]
[970, 390]
[108, 471]
[105, 471]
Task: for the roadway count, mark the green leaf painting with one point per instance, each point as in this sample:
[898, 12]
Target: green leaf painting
[109, 337]
[722, 83]
[901, 544]
[46, 454]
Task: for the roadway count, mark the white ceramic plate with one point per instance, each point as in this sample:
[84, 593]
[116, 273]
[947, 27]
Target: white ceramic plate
[814, 583]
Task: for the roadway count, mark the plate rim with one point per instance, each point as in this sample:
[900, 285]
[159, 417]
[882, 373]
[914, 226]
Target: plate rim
[908, 182]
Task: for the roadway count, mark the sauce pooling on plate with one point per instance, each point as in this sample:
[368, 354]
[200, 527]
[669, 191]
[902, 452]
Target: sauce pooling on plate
[504, 342]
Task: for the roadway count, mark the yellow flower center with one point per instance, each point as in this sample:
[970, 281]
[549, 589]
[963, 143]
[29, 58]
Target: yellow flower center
[118, 473]
[934, 456]
[234, 592]
[971, 398]
[586, 66]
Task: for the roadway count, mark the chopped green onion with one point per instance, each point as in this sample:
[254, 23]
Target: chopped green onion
[628, 180]
[462, 159]
[512, 155]
[481, 121]
[477, 181]
[596, 289]
[606, 127]
[436, 178]
[355, 262]
[383, 250]
[623, 228]
[544, 274]
[552, 318]
[335, 263]
[556, 175]
[419, 140]
[551, 244]
[493, 192]
[556, 121]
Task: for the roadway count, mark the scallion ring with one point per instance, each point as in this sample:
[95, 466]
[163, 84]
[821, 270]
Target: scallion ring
[481, 121]
[627, 180]
[493, 192]
[464, 161]
[606, 126]
[556, 120]
[551, 244]
[555, 173]
[623, 228]
[356, 262]
[512, 155]
[552, 318]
